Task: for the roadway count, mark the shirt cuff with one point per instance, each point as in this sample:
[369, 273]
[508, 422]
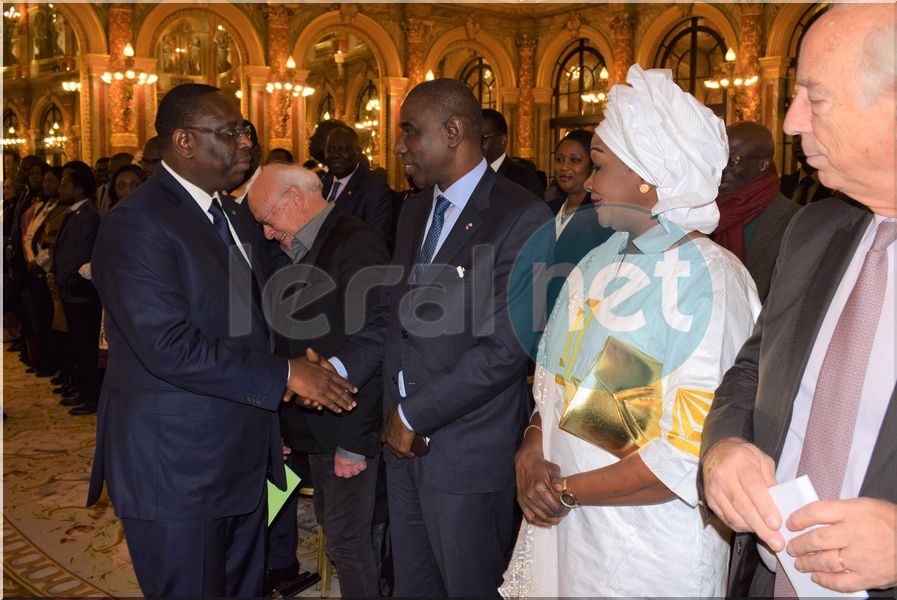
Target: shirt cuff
[339, 366]
[350, 456]
[404, 420]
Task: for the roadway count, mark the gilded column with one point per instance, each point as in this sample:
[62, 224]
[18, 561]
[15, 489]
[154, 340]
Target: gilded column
[23, 40]
[622, 25]
[415, 49]
[278, 52]
[121, 94]
[526, 49]
[747, 105]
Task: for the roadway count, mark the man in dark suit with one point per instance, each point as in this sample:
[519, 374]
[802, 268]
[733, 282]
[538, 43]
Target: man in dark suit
[353, 187]
[753, 212]
[454, 369]
[81, 305]
[324, 247]
[187, 427]
[494, 144]
[812, 391]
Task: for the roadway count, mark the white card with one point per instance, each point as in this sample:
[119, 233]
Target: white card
[789, 497]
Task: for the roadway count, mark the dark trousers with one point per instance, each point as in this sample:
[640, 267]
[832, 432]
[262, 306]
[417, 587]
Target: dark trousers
[345, 509]
[200, 558]
[83, 320]
[446, 544]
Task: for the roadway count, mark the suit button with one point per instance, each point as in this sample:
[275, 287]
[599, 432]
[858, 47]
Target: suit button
[404, 334]
[395, 381]
[738, 545]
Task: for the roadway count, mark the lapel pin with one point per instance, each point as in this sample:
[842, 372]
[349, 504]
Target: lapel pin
[461, 272]
[469, 226]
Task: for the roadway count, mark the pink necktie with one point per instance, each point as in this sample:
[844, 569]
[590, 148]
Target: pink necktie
[839, 388]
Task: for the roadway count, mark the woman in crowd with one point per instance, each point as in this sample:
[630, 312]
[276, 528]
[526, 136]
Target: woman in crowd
[124, 181]
[576, 226]
[618, 515]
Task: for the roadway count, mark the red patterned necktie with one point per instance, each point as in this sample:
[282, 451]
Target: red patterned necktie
[839, 388]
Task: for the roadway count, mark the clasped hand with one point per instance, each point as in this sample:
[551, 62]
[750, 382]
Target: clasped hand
[317, 385]
[536, 481]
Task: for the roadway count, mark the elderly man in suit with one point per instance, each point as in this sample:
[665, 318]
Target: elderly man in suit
[454, 369]
[187, 428]
[753, 213]
[352, 186]
[325, 248]
[812, 391]
[494, 144]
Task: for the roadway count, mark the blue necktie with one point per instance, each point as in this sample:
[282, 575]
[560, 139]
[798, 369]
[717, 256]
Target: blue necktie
[426, 252]
[220, 222]
[334, 192]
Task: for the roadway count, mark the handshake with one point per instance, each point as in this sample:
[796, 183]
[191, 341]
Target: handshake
[314, 381]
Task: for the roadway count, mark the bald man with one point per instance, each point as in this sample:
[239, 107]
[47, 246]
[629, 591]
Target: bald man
[753, 212]
[813, 389]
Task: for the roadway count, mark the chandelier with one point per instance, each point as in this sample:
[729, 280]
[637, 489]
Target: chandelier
[729, 77]
[13, 140]
[54, 140]
[71, 86]
[130, 75]
[601, 96]
[288, 85]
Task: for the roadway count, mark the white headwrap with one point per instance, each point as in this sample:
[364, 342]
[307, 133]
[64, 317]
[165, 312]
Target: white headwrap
[672, 141]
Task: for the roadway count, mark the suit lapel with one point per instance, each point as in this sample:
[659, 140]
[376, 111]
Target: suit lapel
[326, 227]
[466, 225]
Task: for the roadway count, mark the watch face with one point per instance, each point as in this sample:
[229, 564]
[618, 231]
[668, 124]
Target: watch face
[568, 499]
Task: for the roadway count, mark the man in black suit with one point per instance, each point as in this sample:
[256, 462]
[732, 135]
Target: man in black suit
[324, 247]
[812, 391]
[494, 143]
[454, 369]
[352, 186]
[71, 250]
[187, 428]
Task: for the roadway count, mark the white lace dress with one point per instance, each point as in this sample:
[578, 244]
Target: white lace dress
[694, 326]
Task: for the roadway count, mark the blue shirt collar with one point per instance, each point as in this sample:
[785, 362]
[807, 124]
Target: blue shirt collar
[459, 192]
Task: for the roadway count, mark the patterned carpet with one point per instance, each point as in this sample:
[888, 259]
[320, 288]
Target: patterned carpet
[52, 544]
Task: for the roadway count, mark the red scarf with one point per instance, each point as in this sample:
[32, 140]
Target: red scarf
[740, 207]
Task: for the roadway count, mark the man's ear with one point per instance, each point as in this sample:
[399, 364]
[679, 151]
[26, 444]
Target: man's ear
[454, 131]
[182, 143]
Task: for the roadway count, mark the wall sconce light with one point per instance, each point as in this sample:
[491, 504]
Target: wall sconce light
[71, 86]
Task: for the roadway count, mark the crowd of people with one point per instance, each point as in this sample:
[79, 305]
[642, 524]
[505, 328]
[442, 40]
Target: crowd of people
[700, 330]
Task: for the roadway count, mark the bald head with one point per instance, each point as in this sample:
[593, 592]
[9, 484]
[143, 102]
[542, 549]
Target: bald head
[844, 107]
[283, 199]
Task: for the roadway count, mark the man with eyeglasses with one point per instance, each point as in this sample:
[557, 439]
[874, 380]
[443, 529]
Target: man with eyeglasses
[753, 212]
[494, 144]
[187, 429]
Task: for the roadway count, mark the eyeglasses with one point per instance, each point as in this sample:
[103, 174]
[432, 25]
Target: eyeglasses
[229, 134]
[486, 136]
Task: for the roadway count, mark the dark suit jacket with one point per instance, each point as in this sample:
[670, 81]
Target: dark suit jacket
[343, 247]
[756, 397]
[763, 248]
[367, 197]
[522, 175]
[465, 377]
[73, 247]
[187, 424]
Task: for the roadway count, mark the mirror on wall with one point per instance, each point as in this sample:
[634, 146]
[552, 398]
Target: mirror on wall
[344, 73]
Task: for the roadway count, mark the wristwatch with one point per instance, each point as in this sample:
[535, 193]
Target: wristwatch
[567, 498]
